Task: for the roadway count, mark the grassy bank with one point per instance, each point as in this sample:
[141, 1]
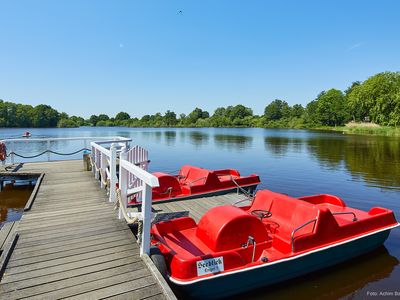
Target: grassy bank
[365, 129]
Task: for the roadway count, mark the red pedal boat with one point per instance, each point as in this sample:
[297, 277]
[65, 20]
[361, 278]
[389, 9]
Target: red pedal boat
[26, 134]
[232, 250]
[193, 182]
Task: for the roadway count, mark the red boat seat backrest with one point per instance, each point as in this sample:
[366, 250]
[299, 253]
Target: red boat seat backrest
[289, 213]
[228, 227]
[194, 175]
[166, 181]
[227, 172]
[324, 199]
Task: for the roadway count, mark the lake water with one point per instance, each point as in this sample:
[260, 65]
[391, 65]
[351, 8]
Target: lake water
[363, 170]
[12, 201]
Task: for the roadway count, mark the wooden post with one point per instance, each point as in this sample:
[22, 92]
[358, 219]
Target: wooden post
[113, 172]
[146, 213]
[48, 148]
[123, 182]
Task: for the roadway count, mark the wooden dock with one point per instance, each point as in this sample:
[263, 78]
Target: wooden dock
[71, 244]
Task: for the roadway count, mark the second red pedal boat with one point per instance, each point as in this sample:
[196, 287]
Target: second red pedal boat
[194, 182]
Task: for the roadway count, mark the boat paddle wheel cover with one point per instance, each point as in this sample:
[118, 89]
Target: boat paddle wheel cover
[227, 227]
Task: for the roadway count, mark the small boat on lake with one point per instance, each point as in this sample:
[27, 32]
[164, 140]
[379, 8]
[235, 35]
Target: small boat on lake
[235, 249]
[26, 134]
[193, 182]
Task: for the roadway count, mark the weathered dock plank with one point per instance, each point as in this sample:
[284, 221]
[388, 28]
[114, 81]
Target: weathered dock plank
[71, 243]
[6, 233]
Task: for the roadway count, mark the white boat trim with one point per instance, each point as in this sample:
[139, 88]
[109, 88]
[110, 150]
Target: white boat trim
[179, 282]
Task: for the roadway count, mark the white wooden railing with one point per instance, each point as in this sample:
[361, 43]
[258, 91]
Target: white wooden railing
[133, 180]
[128, 173]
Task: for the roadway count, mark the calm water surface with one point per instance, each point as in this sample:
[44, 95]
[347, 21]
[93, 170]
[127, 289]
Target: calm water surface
[12, 202]
[363, 170]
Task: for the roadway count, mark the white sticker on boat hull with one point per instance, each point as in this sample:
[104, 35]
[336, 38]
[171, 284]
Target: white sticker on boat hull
[210, 266]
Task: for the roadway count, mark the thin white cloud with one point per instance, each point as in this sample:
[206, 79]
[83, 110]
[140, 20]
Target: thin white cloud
[121, 45]
[354, 47]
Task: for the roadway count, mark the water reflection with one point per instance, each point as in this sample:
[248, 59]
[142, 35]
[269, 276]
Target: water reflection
[376, 160]
[229, 142]
[12, 201]
[276, 145]
[344, 280]
[198, 138]
[152, 136]
[279, 146]
[170, 137]
[328, 152]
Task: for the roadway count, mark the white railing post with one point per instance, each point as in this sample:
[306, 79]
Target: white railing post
[48, 148]
[103, 167]
[123, 182]
[96, 163]
[93, 154]
[12, 152]
[146, 213]
[113, 172]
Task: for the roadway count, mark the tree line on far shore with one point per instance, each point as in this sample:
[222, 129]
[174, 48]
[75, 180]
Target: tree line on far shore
[376, 100]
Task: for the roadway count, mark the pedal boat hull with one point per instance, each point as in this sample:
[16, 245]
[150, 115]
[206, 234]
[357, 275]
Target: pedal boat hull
[234, 249]
[240, 281]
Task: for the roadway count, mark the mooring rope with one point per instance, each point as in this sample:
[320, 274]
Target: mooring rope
[121, 205]
[104, 180]
[47, 151]
[93, 164]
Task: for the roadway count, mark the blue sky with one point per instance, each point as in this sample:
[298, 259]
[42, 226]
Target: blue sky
[90, 57]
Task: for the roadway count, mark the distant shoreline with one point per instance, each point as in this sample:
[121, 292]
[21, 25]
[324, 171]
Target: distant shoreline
[353, 129]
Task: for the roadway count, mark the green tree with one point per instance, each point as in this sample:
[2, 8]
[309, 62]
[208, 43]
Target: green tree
[67, 123]
[122, 116]
[276, 110]
[103, 117]
[238, 112]
[93, 120]
[170, 118]
[196, 114]
[377, 99]
[331, 108]
[311, 116]
[44, 116]
[352, 87]
[145, 119]
[297, 111]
